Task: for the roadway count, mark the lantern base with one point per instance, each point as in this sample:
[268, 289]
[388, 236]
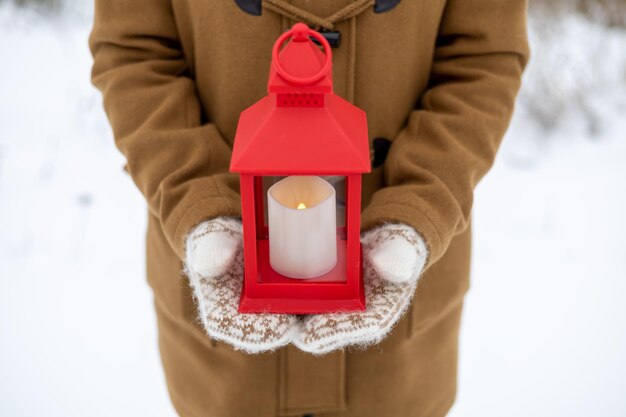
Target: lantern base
[292, 297]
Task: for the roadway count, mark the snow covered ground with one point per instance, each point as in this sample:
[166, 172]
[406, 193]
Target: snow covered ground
[544, 330]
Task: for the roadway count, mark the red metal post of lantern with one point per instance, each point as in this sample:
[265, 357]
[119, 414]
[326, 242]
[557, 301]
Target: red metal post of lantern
[300, 129]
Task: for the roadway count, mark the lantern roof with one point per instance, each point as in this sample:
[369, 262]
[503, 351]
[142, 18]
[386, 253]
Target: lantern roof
[288, 140]
[301, 127]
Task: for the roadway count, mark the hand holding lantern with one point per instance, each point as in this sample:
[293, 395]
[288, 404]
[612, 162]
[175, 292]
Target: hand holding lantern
[394, 257]
[214, 266]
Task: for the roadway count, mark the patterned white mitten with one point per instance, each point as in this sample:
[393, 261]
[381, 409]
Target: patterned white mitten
[394, 256]
[214, 266]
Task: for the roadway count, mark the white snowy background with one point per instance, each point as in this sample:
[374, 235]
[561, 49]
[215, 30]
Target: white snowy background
[544, 328]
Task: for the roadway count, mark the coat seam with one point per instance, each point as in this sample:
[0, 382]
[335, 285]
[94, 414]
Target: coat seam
[427, 324]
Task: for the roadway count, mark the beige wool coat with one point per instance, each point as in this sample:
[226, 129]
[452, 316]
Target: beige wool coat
[437, 79]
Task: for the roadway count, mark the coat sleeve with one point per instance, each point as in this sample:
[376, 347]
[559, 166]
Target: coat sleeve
[450, 139]
[177, 160]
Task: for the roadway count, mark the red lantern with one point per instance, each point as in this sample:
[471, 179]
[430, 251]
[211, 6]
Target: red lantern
[301, 133]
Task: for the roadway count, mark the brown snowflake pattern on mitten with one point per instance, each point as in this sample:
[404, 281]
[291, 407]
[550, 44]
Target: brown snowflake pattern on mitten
[217, 300]
[386, 301]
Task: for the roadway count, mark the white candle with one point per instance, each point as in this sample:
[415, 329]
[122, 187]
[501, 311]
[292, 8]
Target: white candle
[302, 226]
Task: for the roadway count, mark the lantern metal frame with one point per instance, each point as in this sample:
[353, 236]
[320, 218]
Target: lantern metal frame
[301, 128]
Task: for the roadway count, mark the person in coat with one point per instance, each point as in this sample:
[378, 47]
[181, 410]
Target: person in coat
[437, 80]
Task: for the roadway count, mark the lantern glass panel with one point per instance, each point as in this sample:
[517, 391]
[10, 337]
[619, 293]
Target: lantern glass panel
[337, 271]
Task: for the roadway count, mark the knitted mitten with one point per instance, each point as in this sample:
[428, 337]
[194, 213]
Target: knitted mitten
[214, 266]
[394, 256]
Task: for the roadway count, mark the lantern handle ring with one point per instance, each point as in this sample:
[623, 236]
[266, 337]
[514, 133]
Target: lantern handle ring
[301, 32]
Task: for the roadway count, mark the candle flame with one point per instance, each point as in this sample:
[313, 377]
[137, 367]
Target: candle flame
[301, 206]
